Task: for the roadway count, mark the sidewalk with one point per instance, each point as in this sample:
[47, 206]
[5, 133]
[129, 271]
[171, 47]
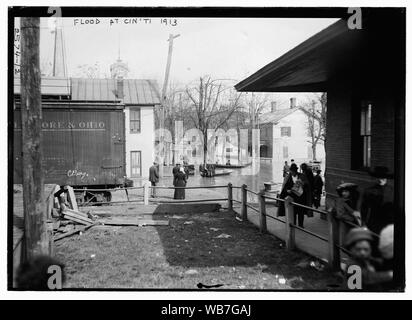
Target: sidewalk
[305, 242]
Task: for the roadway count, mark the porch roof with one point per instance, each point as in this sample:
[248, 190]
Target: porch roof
[310, 65]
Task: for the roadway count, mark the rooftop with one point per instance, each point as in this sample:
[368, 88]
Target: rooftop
[136, 91]
[276, 116]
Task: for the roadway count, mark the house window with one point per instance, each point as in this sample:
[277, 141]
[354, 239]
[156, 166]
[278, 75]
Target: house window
[285, 131]
[135, 123]
[365, 133]
[285, 152]
[135, 164]
[228, 149]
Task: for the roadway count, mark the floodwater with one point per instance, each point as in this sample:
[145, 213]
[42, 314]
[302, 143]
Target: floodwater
[253, 176]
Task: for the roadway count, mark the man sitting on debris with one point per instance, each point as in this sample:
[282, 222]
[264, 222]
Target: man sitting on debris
[61, 196]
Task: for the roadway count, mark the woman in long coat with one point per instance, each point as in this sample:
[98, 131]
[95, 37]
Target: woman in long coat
[180, 181]
[296, 185]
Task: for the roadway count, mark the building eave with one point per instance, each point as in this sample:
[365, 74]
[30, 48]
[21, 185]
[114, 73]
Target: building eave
[307, 67]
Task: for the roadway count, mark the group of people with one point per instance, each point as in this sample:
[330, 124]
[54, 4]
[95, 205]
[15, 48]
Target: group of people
[180, 177]
[303, 187]
[372, 208]
[363, 215]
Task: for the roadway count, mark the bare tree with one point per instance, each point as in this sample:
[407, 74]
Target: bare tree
[212, 106]
[316, 113]
[176, 107]
[90, 71]
[256, 105]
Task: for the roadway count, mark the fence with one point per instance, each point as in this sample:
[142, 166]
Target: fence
[334, 224]
[144, 196]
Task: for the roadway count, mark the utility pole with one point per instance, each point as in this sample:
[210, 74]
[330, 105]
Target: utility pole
[162, 111]
[35, 235]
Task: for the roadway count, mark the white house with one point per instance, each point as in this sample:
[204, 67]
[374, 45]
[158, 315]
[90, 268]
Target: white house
[284, 136]
[139, 98]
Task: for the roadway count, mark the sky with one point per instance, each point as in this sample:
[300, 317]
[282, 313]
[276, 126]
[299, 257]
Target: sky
[224, 48]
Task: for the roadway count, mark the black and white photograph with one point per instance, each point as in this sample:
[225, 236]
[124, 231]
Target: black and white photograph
[206, 149]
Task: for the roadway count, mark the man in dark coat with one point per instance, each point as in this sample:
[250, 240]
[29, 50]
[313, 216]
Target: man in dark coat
[154, 178]
[377, 201]
[296, 185]
[285, 169]
[175, 170]
[317, 188]
[180, 181]
[309, 176]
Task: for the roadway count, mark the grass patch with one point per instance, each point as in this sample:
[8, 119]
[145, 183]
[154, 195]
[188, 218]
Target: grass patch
[187, 252]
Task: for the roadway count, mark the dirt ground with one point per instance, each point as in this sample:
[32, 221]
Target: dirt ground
[211, 249]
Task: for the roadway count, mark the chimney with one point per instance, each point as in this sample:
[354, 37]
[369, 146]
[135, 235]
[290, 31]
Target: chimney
[273, 106]
[292, 103]
[119, 88]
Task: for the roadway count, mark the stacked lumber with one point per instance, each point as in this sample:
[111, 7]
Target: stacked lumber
[69, 220]
[77, 216]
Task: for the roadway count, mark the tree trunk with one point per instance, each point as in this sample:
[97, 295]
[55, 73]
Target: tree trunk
[35, 232]
[205, 148]
[314, 151]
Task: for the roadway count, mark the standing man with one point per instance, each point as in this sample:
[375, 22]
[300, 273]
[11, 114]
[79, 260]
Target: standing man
[317, 188]
[296, 185]
[175, 171]
[309, 177]
[377, 201]
[285, 169]
[154, 178]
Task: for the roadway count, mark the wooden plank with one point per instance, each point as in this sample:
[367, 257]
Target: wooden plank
[140, 222]
[76, 220]
[70, 216]
[64, 235]
[71, 198]
[78, 213]
[153, 222]
[83, 218]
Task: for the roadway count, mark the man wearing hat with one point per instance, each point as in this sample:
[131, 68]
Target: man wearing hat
[154, 177]
[317, 188]
[377, 201]
[175, 171]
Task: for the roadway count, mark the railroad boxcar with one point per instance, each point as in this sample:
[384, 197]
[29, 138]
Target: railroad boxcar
[83, 144]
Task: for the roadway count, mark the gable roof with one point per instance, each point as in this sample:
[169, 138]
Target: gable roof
[274, 117]
[308, 66]
[136, 91]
